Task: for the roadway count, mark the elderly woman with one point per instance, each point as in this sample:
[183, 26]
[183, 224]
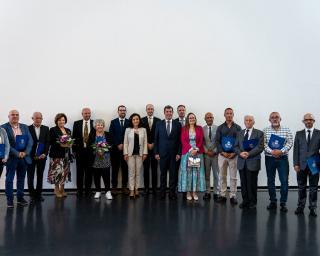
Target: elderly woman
[60, 155]
[99, 144]
[192, 175]
[4, 148]
[135, 151]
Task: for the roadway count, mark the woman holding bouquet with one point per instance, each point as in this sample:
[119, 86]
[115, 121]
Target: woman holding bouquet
[60, 155]
[99, 143]
[135, 151]
[192, 175]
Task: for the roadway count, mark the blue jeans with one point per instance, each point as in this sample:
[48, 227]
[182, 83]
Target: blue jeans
[282, 165]
[20, 166]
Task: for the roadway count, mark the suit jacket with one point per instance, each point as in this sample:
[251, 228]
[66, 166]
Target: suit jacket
[116, 133]
[177, 119]
[185, 140]
[44, 138]
[56, 151]
[77, 134]
[210, 144]
[5, 141]
[300, 149]
[13, 152]
[253, 162]
[128, 143]
[91, 141]
[150, 132]
[164, 144]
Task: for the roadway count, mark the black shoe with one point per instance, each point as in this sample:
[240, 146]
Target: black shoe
[79, 194]
[40, 199]
[162, 196]
[252, 206]
[313, 213]
[33, 200]
[222, 200]
[243, 205]
[173, 196]
[272, 206]
[10, 204]
[154, 192]
[283, 207]
[207, 196]
[216, 197]
[22, 202]
[146, 191]
[233, 201]
[299, 211]
[125, 191]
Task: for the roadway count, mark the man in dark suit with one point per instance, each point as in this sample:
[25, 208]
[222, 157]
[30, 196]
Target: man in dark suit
[39, 153]
[19, 157]
[81, 131]
[248, 146]
[117, 130]
[306, 145]
[149, 122]
[167, 147]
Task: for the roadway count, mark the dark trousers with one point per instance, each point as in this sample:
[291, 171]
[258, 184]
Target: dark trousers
[105, 174]
[249, 185]
[117, 160]
[1, 167]
[302, 178]
[168, 162]
[84, 172]
[37, 165]
[20, 166]
[150, 161]
[282, 165]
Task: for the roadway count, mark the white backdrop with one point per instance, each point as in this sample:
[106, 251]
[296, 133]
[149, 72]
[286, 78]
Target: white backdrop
[255, 56]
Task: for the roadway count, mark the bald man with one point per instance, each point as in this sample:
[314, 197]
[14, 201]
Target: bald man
[20, 148]
[41, 138]
[306, 145]
[80, 132]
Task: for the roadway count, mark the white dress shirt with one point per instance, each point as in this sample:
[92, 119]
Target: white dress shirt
[311, 132]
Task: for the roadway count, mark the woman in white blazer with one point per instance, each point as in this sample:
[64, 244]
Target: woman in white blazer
[135, 151]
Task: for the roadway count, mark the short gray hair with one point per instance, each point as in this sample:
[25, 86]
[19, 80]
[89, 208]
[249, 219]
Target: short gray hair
[99, 121]
[249, 116]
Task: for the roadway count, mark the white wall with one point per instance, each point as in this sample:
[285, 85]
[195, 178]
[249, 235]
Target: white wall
[255, 56]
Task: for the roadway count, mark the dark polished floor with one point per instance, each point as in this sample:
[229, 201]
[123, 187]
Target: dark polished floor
[153, 227]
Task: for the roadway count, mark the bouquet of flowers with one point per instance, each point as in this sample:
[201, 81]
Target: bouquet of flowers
[101, 147]
[65, 141]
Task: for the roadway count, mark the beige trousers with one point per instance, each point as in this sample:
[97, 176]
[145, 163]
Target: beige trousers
[224, 163]
[134, 167]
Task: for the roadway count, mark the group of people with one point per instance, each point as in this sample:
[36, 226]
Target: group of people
[182, 148]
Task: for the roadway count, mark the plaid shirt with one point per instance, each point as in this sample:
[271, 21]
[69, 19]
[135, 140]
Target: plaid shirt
[281, 132]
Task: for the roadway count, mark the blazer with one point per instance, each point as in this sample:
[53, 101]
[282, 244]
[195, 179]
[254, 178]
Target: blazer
[164, 144]
[185, 141]
[128, 143]
[210, 144]
[150, 132]
[116, 133]
[300, 148]
[13, 152]
[253, 162]
[91, 141]
[56, 151]
[77, 134]
[5, 141]
[44, 138]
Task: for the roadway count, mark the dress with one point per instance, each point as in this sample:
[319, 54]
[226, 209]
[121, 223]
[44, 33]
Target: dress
[191, 179]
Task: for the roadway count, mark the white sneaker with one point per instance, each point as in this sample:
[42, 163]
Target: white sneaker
[97, 195]
[109, 196]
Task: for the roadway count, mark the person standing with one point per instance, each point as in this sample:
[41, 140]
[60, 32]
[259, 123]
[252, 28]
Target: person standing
[306, 146]
[19, 157]
[80, 132]
[278, 141]
[41, 138]
[5, 148]
[149, 122]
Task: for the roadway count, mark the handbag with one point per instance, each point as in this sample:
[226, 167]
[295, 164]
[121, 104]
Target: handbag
[194, 162]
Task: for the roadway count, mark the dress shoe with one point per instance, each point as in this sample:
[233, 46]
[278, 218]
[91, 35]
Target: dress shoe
[207, 196]
[40, 198]
[299, 211]
[173, 196]
[313, 213]
[22, 202]
[216, 197]
[146, 191]
[154, 192]
[272, 206]
[222, 200]
[125, 191]
[243, 205]
[283, 207]
[162, 196]
[233, 201]
[252, 206]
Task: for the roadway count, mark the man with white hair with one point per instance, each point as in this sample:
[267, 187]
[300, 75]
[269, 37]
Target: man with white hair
[305, 151]
[248, 146]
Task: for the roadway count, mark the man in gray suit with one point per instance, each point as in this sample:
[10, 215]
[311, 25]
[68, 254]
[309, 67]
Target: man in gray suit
[210, 157]
[249, 145]
[306, 145]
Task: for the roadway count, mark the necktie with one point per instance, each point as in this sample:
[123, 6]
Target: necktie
[210, 133]
[121, 124]
[182, 122]
[150, 122]
[309, 139]
[246, 136]
[85, 133]
[168, 127]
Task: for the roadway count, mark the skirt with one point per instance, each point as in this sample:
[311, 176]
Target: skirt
[59, 171]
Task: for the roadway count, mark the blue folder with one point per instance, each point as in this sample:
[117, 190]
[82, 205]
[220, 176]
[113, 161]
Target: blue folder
[39, 149]
[21, 142]
[248, 145]
[227, 144]
[276, 142]
[314, 164]
[2, 151]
